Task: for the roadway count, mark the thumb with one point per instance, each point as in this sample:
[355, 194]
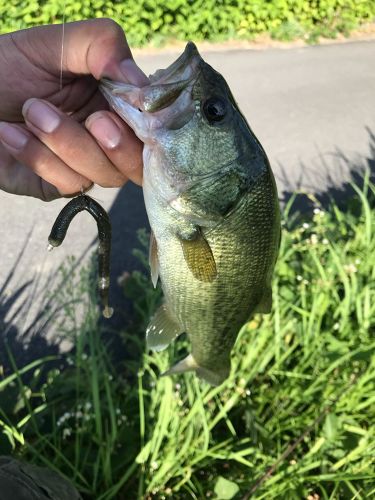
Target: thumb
[96, 46]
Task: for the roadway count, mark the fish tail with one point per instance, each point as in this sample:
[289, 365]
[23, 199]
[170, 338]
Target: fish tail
[189, 364]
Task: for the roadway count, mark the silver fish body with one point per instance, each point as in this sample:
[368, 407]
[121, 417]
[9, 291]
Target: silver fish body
[213, 208]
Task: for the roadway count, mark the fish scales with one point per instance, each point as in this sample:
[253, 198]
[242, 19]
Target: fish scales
[213, 208]
[249, 235]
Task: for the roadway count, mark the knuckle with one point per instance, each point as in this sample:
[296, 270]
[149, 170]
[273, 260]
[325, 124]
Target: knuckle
[115, 181]
[110, 27]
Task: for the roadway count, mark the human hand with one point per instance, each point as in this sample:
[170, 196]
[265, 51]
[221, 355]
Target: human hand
[47, 151]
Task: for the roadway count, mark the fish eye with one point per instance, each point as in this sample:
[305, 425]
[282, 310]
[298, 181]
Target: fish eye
[214, 109]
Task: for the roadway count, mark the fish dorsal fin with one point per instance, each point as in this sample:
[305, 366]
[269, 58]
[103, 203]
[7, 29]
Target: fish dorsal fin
[265, 304]
[153, 259]
[162, 330]
[199, 257]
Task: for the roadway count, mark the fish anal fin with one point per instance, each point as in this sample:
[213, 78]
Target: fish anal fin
[199, 257]
[265, 304]
[153, 259]
[162, 330]
[189, 364]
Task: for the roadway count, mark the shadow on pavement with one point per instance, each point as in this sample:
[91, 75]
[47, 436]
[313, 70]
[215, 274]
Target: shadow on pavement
[21, 337]
[128, 215]
[336, 191]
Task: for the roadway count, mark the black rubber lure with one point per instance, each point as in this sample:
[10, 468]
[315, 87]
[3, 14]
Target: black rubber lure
[60, 228]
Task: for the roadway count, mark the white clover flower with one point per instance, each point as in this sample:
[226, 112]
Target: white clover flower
[350, 268]
[336, 326]
[319, 212]
[154, 465]
[314, 239]
[325, 241]
[67, 432]
[299, 277]
[305, 225]
[313, 496]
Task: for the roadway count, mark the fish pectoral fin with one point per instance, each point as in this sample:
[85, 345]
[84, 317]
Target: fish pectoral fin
[199, 257]
[153, 259]
[189, 364]
[194, 214]
[265, 304]
[162, 330]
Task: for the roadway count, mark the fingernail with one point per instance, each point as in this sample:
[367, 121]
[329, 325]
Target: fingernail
[41, 115]
[13, 136]
[105, 131]
[132, 73]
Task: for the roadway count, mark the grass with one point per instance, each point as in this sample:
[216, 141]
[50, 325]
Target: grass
[294, 419]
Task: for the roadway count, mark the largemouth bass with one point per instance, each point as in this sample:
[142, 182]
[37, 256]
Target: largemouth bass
[213, 208]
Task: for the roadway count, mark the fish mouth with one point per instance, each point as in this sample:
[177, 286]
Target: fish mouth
[166, 103]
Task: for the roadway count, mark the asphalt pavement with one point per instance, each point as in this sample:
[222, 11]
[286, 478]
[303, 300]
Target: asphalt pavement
[312, 108]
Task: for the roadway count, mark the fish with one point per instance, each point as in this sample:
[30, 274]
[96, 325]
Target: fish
[212, 204]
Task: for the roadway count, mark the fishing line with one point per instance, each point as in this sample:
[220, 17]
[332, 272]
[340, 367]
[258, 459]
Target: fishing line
[41, 267]
[62, 46]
